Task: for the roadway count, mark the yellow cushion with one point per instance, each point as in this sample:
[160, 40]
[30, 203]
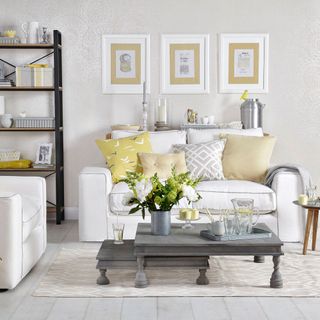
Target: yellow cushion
[16, 164]
[121, 154]
[162, 164]
[247, 158]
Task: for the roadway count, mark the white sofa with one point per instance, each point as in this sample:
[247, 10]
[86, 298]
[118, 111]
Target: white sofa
[23, 235]
[100, 201]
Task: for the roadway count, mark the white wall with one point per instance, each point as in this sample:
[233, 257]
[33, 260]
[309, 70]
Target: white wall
[293, 102]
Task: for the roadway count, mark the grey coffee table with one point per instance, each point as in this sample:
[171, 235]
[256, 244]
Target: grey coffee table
[112, 256]
[188, 243]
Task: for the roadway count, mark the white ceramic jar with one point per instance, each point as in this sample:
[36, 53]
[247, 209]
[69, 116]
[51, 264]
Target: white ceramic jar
[218, 228]
[7, 120]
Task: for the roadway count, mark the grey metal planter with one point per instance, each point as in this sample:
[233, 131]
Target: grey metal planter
[160, 223]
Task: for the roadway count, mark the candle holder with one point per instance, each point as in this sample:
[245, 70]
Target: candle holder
[161, 114]
[144, 126]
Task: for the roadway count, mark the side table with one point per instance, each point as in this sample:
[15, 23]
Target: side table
[313, 214]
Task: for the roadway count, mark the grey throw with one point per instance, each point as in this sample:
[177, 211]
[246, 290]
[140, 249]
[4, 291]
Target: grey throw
[289, 167]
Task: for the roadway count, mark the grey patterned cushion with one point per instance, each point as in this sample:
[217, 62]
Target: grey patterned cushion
[204, 160]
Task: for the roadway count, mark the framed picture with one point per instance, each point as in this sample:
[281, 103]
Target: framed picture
[185, 64]
[44, 153]
[125, 63]
[243, 63]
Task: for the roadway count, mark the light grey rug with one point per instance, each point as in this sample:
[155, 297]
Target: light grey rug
[73, 274]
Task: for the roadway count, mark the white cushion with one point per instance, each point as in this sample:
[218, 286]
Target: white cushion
[206, 135]
[116, 196]
[218, 194]
[161, 141]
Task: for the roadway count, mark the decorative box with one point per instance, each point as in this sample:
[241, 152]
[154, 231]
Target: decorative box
[34, 122]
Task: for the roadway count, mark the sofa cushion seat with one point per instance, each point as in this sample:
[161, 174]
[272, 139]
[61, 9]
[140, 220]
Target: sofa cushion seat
[218, 194]
[215, 195]
[30, 216]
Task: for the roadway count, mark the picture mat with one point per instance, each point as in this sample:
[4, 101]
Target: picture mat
[134, 51]
[233, 77]
[189, 52]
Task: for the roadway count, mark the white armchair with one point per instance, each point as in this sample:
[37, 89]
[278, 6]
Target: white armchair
[23, 234]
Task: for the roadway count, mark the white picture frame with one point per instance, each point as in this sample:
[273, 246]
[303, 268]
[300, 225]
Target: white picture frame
[243, 62]
[44, 153]
[125, 63]
[185, 64]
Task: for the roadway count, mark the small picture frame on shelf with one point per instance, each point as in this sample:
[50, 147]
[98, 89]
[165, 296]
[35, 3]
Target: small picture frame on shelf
[44, 153]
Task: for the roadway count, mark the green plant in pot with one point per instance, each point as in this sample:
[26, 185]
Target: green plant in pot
[159, 197]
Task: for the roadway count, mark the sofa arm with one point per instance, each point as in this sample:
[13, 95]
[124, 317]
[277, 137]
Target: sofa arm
[11, 239]
[291, 218]
[95, 185]
[32, 187]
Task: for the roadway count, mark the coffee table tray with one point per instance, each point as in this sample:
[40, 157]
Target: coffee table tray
[257, 233]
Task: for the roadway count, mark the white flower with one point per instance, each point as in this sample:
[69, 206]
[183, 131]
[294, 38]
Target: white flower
[127, 198]
[190, 193]
[143, 188]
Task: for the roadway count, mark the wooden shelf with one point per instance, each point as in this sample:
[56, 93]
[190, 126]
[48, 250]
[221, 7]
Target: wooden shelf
[26, 129]
[28, 88]
[53, 209]
[29, 170]
[26, 46]
[54, 50]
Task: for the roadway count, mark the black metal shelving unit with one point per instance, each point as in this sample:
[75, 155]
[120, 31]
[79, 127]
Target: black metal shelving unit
[58, 170]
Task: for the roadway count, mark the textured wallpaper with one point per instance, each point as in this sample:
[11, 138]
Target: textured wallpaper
[292, 110]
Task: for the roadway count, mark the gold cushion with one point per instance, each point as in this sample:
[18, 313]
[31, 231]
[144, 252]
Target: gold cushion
[162, 164]
[16, 164]
[247, 158]
[122, 154]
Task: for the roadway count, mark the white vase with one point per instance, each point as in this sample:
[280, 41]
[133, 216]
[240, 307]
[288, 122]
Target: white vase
[6, 120]
[31, 31]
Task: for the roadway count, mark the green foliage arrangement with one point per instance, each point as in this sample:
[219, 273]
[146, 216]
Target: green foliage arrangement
[156, 195]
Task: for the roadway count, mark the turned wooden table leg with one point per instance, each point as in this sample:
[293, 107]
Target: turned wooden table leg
[202, 279]
[276, 279]
[141, 278]
[258, 259]
[315, 228]
[103, 279]
[307, 232]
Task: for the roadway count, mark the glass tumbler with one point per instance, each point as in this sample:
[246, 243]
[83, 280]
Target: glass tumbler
[311, 193]
[229, 222]
[118, 229]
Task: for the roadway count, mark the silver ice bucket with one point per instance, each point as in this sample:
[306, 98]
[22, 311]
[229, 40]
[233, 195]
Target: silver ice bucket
[251, 113]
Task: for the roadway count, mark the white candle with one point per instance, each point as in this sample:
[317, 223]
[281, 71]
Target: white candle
[303, 199]
[2, 105]
[144, 92]
[162, 110]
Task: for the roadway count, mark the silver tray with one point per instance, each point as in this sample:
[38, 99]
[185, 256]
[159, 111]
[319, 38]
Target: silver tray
[257, 233]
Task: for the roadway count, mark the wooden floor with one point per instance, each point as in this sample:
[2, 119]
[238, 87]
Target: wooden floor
[19, 304]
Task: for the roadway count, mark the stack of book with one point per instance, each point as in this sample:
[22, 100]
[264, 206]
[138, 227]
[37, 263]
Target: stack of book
[43, 166]
[6, 83]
